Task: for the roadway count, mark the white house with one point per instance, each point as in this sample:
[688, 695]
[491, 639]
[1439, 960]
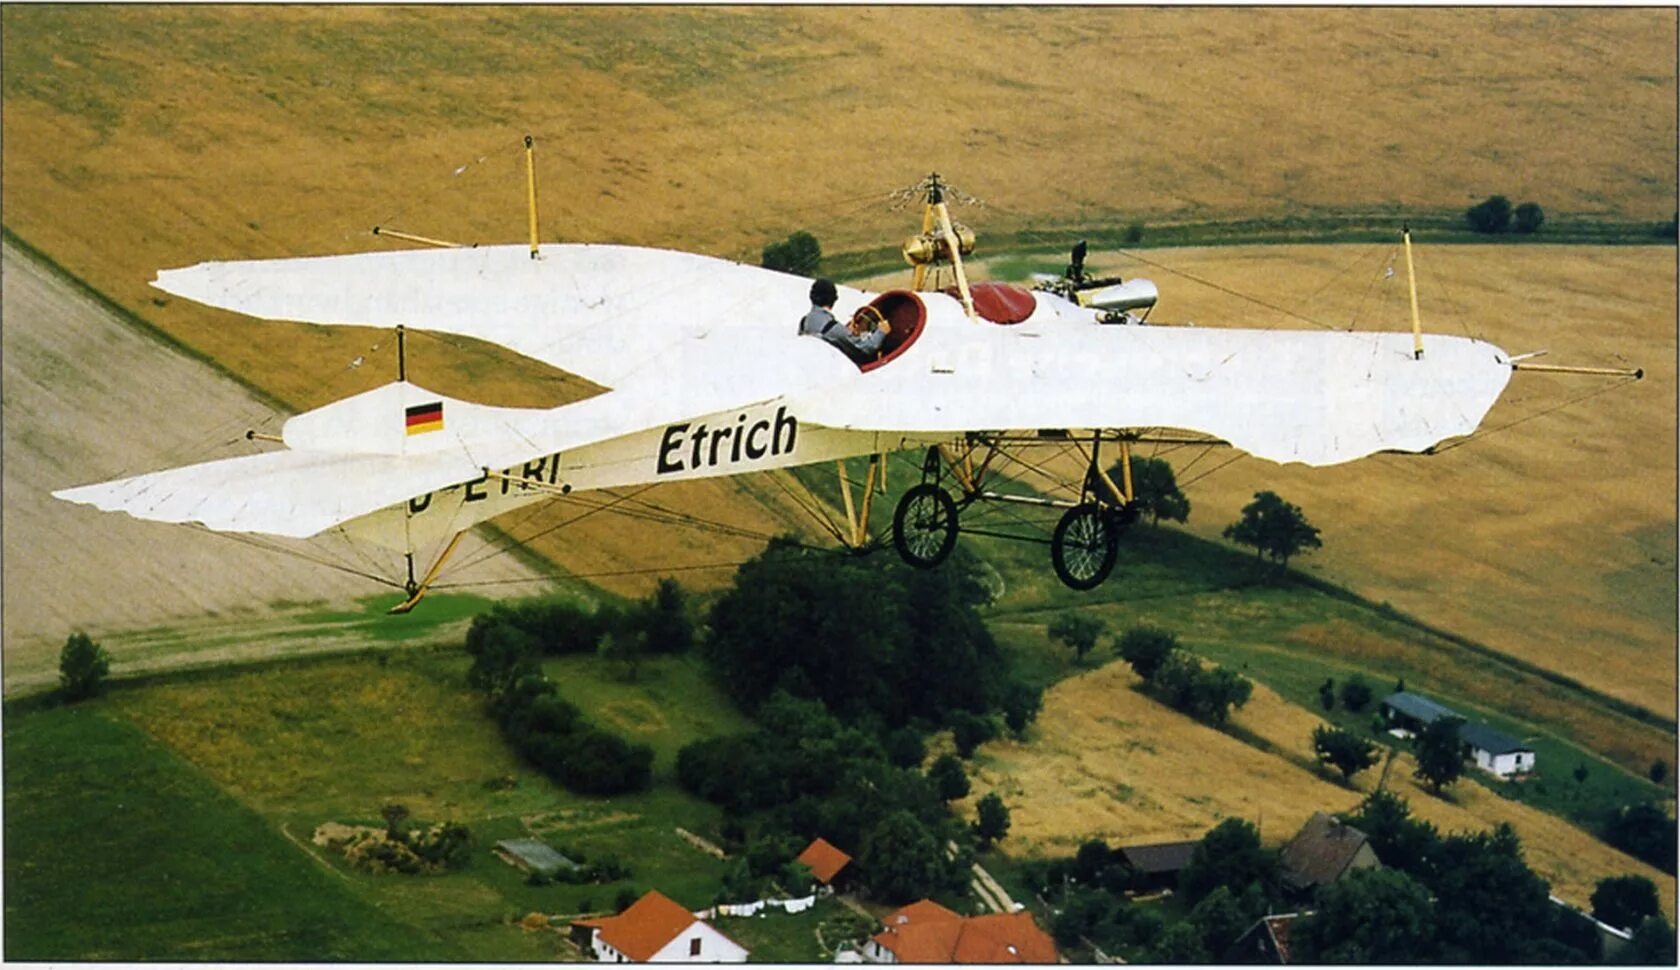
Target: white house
[1495, 751]
[656, 929]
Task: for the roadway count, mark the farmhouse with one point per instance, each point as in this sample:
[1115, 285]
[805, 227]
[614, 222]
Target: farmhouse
[824, 860]
[1158, 864]
[1324, 851]
[656, 929]
[926, 932]
[1408, 713]
[1496, 752]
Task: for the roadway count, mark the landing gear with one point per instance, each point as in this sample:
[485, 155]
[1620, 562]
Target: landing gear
[925, 526]
[1086, 543]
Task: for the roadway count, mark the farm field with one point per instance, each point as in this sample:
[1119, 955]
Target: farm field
[89, 397]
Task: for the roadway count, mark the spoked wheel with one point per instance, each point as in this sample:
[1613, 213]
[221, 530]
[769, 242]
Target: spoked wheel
[925, 526]
[1085, 545]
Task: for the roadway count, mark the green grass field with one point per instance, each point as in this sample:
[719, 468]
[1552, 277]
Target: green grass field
[118, 849]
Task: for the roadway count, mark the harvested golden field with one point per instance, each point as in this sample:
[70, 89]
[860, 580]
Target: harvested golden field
[1105, 761]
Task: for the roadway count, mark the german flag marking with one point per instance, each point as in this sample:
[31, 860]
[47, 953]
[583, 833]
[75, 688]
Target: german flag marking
[422, 418]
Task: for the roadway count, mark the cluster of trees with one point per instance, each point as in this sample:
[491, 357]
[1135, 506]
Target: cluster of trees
[1645, 832]
[806, 773]
[1459, 899]
[1495, 215]
[1462, 898]
[1275, 528]
[1355, 694]
[1346, 751]
[871, 638]
[799, 254]
[507, 641]
[1178, 679]
[506, 644]
[1230, 882]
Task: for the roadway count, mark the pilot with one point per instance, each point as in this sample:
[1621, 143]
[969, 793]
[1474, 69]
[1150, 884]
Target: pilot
[860, 339]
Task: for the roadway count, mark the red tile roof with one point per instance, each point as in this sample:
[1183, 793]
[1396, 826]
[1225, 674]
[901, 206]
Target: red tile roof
[926, 932]
[824, 860]
[643, 930]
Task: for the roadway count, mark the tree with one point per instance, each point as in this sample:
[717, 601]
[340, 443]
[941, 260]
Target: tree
[1220, 919]
[1356, 693]
[948, 777]
[663, 616]
[1092, 857]
[622, 649]
[502, 653]
[1659, 771]
[1400, 841]
[1527, 218]
[1146, 648]
[1440, 754]
[1230, 855]
[1347, 752]
[1622, 901]
[799, 254]
[905, 747]
[395, 815]
[901, 860]
[991, 823]
[1077, 631]
[1644, 832]
[1214, 693]
[1370, 916]
[1276, 529]
[1181, 943]
[1652, 945]
[82, 666]
[1154, 489]
[969, 731]
[1327, 694]
[1021, 704]
[1487, 901]
[1491, 215]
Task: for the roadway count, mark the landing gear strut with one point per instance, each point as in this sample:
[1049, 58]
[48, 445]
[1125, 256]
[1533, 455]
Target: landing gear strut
[1083, 548]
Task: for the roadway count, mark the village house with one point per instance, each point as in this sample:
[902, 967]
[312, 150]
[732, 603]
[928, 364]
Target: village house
[926, 932]
[1496, 752]
[1158, 864]
[656, 929]
[1324, 851]
[825, 862]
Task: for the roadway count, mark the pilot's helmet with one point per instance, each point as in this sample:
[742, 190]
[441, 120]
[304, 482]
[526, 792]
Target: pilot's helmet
[823, 293]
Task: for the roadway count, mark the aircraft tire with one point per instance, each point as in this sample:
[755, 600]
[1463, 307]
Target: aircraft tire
[925, 526]
[1085, 545]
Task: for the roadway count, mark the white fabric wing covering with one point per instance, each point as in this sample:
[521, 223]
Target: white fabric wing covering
[1287, 396]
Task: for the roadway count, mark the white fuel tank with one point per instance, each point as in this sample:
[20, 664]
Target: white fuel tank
[1136, 294]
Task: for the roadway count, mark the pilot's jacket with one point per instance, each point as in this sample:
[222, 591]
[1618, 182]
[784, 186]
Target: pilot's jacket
[860, 347]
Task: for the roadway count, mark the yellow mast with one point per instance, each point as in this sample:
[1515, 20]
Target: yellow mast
[531, 189]
[1411, 282]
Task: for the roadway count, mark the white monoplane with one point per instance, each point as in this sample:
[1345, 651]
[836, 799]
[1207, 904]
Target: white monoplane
[707, 375]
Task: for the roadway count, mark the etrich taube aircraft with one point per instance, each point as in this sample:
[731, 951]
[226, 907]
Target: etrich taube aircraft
[708, 375]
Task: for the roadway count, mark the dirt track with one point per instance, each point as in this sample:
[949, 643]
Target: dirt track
[88, 398]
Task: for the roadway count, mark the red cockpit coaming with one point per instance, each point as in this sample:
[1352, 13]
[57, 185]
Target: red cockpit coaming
[907, 315]
[1002, 303]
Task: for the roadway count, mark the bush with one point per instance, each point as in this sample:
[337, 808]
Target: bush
[1356, 693]
[1491, 215]
[1527, 218]
[799, 254]
[1146, 648]
[82, 666]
